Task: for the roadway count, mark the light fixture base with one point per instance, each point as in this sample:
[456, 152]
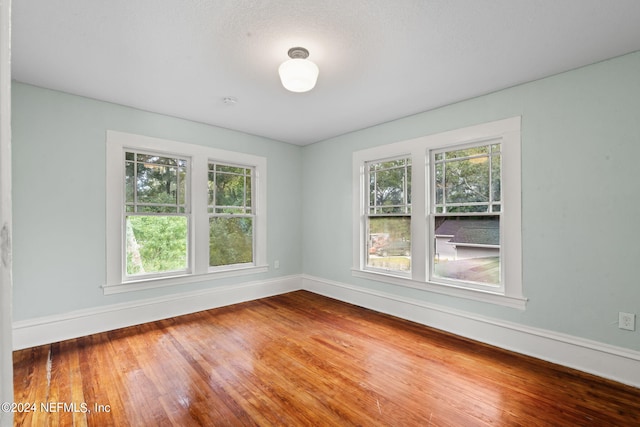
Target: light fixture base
[298, 52]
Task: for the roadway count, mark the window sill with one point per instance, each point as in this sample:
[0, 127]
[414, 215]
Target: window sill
[471, 294]
[139, 285]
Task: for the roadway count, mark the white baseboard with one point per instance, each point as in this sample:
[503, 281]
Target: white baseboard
[607, 361]
[49, 329]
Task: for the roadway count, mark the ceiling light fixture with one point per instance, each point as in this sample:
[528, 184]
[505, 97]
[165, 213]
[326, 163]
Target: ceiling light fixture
[298, 74]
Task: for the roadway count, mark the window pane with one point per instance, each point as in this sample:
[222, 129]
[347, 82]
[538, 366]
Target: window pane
[229, 190]
[467, 248]
[391, 209]
[247, 186]
[211, 188]
[129, 181]
[439, 183]
[229, 210]
[467, 152]
[158, 209]
[182, 186]
[390, 186]
[156, 244]
[467, 181]
[495, 178]
[389, 243]
[390, 164]
[372, 190]
[408, 179]
[230, 169]
[230, 240]
[468, 208]
[158, 160]
[157, 184]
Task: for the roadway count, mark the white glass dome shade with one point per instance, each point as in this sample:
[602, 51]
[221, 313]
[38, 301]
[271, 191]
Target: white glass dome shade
[298, 74]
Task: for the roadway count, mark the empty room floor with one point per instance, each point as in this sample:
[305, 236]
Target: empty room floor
[303, 359]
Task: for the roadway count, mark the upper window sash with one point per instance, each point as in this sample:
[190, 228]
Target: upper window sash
[389, 186]
[230, 201]
[482, 161]
[156, 183]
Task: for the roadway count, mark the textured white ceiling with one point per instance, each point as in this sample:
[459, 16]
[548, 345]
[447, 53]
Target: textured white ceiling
[379, 59]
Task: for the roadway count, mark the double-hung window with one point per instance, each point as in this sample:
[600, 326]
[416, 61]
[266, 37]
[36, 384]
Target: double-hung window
[466, 205]
[388, 219]
[180, 213]
[231, 215]
[442, 213]
[156, 214]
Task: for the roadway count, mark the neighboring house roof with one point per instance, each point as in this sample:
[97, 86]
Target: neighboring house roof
[471, 232]
[477, 236]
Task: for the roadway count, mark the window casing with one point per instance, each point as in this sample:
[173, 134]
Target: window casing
[465, 212]
[162, 200]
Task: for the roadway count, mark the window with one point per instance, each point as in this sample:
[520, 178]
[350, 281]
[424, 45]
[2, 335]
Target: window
[156, 214]
[466, 208]
[389, 215]
[442, 213]
[230, 215]
[179, 213]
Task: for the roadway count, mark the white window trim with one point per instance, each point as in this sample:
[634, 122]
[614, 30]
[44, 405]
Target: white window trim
[511, 223]
[200, 156]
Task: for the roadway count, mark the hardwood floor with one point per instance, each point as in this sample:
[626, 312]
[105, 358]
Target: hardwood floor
[302, 359]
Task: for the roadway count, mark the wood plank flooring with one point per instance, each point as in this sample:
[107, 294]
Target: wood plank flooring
[302, 359]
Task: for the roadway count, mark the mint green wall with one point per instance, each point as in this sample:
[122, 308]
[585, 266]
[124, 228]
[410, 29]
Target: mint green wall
[59, 197]
[580, 192]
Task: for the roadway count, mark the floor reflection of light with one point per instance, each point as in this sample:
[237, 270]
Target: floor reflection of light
[184, 400]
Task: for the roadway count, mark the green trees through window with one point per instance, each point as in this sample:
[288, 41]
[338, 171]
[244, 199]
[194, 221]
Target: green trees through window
[231, 215]
[156, 214]
[156, 244]
[180, 213]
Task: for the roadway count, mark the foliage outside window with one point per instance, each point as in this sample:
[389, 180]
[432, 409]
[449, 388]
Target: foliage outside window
[389, 215]
[467, 205]
[156, 214]
[231, 218]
